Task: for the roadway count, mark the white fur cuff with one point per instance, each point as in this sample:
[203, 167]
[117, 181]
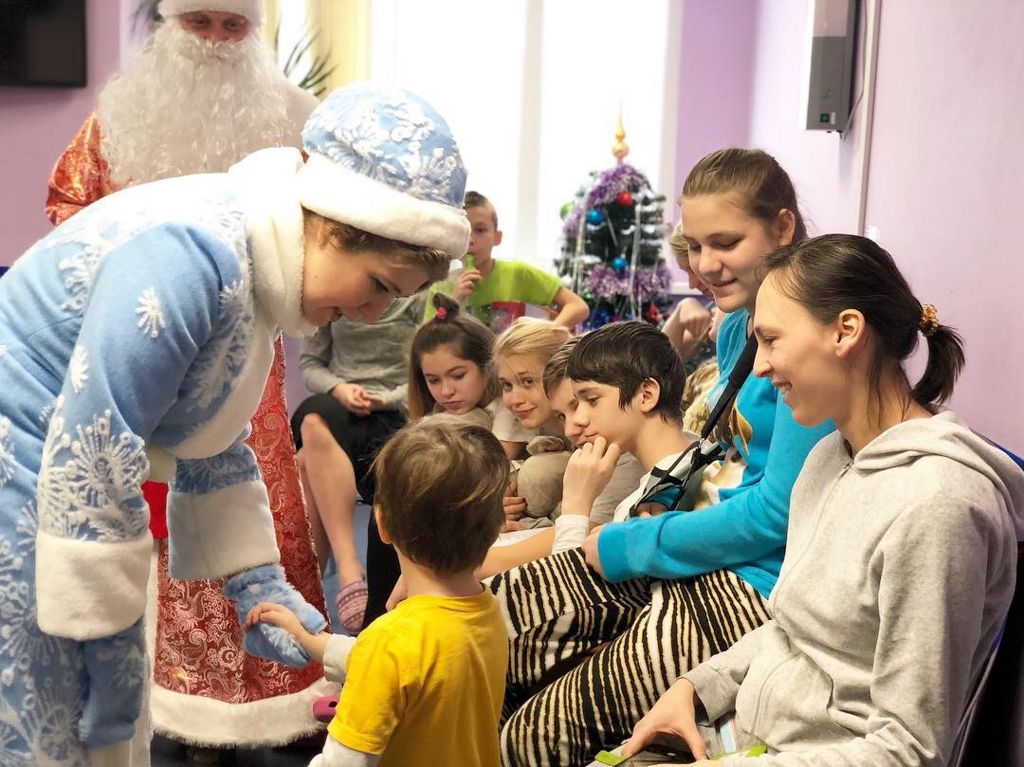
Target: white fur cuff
[220, 533]
[90, 589]
[338, 193]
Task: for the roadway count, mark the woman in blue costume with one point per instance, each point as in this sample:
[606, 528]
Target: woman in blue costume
[189, 280]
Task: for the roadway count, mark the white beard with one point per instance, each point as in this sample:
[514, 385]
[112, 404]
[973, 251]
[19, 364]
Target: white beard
[186, 105]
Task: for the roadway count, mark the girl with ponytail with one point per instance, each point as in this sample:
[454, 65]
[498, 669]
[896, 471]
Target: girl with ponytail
[901, 552]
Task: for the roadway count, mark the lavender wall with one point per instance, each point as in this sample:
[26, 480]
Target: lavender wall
[945, 181]
[716, 63]
[824, 166]
[37, 123]
[946, 185]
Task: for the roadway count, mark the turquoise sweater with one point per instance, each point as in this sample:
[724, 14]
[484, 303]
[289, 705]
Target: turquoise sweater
[745, 532]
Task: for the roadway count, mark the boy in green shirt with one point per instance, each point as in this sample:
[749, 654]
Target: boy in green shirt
[497, 292]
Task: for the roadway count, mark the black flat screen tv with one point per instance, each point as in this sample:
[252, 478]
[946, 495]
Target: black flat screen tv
[42, 42]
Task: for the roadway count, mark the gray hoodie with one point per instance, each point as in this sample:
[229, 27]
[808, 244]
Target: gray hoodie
[899, 570]
[374, 355]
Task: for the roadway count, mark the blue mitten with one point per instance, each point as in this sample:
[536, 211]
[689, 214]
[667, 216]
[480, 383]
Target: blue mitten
[116, 671]
[266, 583]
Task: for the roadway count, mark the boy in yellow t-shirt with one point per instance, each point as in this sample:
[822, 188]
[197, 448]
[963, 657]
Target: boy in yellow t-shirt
[424, 683]
[497, 292]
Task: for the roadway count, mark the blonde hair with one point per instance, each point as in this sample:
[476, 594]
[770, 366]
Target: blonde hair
[529, 337]
[433, 261]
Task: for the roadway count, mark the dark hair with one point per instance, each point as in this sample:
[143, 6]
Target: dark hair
[764, 187]
[477, 200]
[435, 262]
[556, 366]
[440, 485]
[835, 272]
[624, 355]
[470, 340]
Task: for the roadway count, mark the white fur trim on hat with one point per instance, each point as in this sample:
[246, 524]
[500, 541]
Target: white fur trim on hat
[251, 9]
[334, 191]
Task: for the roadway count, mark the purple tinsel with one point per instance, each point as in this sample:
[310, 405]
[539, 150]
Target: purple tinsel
[651, 282]
[621, 178]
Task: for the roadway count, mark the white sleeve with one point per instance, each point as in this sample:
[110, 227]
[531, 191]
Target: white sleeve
[336, 754]
[336, 657]
[570, 530]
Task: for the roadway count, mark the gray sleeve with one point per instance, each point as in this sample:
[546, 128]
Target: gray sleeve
[718, 679]
[624, 480]
[315, 362]
[396, 398]
[939, 578]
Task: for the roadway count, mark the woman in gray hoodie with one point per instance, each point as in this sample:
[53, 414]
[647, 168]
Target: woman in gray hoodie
[901, 548]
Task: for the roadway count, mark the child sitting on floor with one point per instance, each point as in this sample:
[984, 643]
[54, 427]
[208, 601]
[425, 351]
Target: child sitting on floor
[435, 665]
[520, 353]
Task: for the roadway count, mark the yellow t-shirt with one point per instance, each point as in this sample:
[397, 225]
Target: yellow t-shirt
[425, 684]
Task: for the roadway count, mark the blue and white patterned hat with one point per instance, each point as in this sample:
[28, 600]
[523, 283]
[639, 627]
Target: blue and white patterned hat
[382, 160]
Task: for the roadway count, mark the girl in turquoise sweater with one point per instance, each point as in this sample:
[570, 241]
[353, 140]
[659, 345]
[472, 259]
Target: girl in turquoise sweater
[668, 591]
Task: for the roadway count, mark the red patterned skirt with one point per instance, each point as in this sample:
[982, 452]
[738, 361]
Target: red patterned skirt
[207, 690]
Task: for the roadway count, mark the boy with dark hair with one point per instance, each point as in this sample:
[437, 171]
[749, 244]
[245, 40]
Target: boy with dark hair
[436, 663]
[497, 292]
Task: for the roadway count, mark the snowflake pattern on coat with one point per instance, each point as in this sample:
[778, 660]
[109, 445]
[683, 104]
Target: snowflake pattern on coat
[121, 287]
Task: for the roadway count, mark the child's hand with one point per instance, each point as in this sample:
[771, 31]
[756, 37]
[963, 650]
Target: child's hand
[464, 284]
[590, 552]
[511, 526]
[355, 398]
[587, 474]
[515, 507]
[276, 615]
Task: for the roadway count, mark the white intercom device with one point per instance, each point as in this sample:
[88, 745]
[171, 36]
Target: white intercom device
[833, 49]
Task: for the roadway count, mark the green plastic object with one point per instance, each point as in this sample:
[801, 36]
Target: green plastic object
[607, 757]
[752, 751]
[469, 261]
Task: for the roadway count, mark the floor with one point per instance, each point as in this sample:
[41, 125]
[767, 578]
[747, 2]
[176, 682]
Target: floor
[168, 753]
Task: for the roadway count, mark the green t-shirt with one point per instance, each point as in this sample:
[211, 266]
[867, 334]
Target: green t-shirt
[501, 297]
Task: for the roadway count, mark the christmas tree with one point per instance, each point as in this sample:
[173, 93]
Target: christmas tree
[611, 252]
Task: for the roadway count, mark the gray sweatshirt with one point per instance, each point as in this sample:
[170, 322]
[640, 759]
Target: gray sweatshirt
[374, 355]
[899, 570]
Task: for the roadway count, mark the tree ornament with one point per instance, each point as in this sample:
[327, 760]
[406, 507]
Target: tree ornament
[652, 315]
[565, 210]
[595, 217]
[625, 199]
[619, 265]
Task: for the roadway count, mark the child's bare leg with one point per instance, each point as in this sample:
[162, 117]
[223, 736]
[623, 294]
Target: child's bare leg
[331, 482]
[316, 526]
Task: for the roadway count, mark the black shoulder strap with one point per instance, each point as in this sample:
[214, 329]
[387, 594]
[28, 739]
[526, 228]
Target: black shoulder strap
[705, 450]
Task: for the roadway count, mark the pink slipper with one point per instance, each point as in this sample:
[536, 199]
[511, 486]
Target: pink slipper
[351, 606]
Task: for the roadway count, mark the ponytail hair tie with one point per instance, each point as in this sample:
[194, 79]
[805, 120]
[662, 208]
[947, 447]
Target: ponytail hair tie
[441, 313]
[929, 321]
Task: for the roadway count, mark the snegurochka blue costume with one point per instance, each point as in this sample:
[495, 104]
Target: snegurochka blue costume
[135, 342]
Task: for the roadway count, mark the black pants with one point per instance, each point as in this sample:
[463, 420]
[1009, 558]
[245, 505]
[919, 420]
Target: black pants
[361, 437]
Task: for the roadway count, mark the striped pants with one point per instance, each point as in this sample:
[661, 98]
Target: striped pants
[557, 609]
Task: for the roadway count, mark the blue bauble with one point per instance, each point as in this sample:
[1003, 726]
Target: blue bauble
[619, 265]
[595, 217]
